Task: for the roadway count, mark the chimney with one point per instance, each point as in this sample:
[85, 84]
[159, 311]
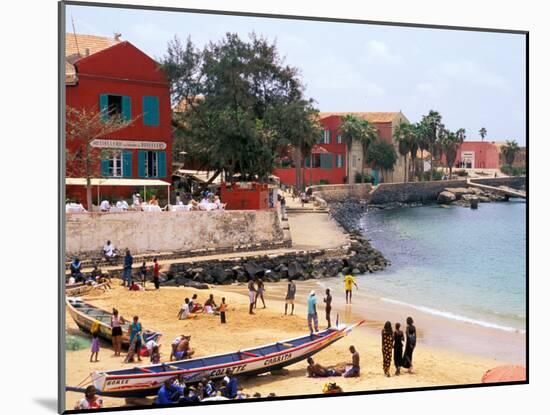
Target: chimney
[117, 36]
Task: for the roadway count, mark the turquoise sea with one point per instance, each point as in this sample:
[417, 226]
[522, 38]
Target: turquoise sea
[458, 263]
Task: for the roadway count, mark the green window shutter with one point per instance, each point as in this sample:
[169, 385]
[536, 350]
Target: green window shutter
[307, 161]
[126, 108]
[142, 155]
[329, 137]
[103, 107]
[161, 158]
[126, 164]
[151, 110]
[326, 161]
[105, 168]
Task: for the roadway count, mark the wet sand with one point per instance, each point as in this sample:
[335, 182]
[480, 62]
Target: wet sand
[433, 366]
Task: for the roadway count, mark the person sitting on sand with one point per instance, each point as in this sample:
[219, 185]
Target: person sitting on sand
[155, 355]
[183, 349]
[175, 342]
[184, 310]
[153, 201]
[353, 370]
[169, 393]
[231, 388]
[315, 370]
[194, 306]
[210, 306]
[90, 400]
[76, 269]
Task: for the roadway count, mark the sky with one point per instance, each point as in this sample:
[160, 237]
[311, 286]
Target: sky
[474, 79]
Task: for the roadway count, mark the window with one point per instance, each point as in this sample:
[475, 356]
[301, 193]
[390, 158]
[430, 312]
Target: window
[115, 105]
[151, 110]
[117, 164]
[354, 161]
[339, 160]
[326, 160]
[339, 138]
[151, 164]
[326, 137]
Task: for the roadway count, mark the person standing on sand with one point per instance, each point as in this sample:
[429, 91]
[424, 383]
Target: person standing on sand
[127, 272]
[349, 282]
[354, 369]
[251, 295]
[328, 306]
[387, 342]
[397, 348]
[156, 273]
[143, 273]
[95, 345]
[116, 331]
[223, 309]
[410, 345]
[135, 331]
[290, 294]
[312, 312]
[259, 291]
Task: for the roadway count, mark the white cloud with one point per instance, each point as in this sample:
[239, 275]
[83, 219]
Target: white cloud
[378, 51]
[471, 72]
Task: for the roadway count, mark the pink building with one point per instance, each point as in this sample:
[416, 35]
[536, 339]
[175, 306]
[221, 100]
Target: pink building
[477, 155]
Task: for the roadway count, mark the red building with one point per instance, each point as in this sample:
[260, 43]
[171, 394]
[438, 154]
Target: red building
[117, 78]
[329, 160]
[477, 155]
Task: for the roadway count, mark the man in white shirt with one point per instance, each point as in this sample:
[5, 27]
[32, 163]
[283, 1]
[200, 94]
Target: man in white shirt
[109, 251]
[122, 204]
[184, 311]
[105, 206]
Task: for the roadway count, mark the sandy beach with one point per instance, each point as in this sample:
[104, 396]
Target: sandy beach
[434, 366]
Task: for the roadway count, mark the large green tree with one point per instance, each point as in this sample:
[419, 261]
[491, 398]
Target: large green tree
[350, 128]
[401, 135]
[239, 103]
[382, 155]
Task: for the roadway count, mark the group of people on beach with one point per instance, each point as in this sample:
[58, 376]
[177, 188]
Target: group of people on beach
[192, 306]
[256, 289]
[392, 341]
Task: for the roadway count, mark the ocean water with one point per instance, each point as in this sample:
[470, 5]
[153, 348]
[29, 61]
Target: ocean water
[457, 263]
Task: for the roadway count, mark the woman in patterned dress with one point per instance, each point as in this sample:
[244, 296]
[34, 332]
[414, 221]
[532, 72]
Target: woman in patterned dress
[387, 345]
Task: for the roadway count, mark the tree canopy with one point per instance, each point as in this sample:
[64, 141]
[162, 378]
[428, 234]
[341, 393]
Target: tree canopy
[239, 102]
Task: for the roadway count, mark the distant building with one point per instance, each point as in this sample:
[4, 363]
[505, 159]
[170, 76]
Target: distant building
[116, 77]
[329, 162]
[477, 155]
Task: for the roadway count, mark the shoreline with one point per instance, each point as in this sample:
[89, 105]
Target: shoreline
[434, 366]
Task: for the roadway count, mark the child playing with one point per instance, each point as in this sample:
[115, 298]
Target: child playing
[95, 345]
[223, 308]
[143, 273]
[155, 355]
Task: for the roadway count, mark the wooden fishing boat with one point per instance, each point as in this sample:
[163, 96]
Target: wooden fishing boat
[142, 381]
[85, 315]
[82, 288]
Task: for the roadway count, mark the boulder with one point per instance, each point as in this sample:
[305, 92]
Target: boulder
[295, 270]
[253, 269]
[446, 197]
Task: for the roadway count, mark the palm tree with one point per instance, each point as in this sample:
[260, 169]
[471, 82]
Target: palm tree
[450, 143]
[401, 135]
[433, 125]
[509, 151]
[367, 136]
[483, 133]
[350, 128]
[415, 140]
[382, 155]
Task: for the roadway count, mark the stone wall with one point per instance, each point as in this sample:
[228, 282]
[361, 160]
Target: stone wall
[417, 192]
[331, 192]
[143, 232]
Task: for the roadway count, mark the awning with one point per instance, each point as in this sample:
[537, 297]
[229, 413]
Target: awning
[116, 182]
[317, 149]
[199, 175]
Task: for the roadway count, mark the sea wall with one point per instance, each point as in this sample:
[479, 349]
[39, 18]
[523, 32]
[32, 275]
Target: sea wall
[332, 192]
[143, 232]
[417, 192]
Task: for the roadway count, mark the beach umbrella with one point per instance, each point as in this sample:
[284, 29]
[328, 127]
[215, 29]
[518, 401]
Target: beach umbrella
[508, 373]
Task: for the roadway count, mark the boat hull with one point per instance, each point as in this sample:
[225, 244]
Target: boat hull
[144, 384]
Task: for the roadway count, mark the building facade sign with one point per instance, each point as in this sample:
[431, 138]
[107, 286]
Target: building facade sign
[126, 144]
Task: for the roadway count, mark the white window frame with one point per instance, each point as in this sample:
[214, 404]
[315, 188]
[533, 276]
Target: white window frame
[339, 139]
[116, 165]
[339, 160]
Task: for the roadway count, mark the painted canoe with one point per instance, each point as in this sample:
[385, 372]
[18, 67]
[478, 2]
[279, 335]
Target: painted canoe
[142, 381]
[82, 288]
[85, 314]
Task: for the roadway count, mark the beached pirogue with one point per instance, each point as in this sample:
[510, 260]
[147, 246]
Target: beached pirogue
[145, 381]
[85, 315]
[82, 288]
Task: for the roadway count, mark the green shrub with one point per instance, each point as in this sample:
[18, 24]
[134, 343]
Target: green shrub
[461, 173]
[511, 170]
[367, 178]
[425, 177]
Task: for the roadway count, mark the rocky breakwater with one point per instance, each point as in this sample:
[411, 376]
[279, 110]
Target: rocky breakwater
[467, 196]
